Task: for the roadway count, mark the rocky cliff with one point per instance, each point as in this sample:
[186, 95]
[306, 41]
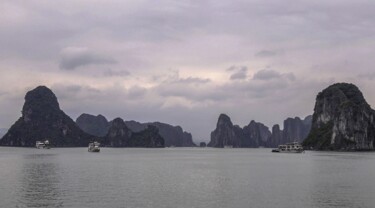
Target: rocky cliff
[256, 134]
[225, 133]
[43, 119]
[3, 131]
[276, 137]
[342, 120]
[119, 135]
[173, 135]
[295, 129]
[149, 137]
[94, 125]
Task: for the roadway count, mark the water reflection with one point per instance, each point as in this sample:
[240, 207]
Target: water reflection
[40, 182]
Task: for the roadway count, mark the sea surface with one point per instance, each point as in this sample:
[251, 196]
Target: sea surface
[185, 177]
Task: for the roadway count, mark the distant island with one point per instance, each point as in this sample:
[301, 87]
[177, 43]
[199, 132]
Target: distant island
[342, 121]
[174, 136]
[256, 134]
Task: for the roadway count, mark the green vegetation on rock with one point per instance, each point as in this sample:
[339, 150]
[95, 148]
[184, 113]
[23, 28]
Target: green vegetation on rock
[342, 120]
[319, 138]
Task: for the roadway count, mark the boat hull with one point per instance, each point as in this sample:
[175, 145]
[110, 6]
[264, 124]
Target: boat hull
[293, 147]
[94, 150]
[287, 151]
[42, 145]
[94, 147]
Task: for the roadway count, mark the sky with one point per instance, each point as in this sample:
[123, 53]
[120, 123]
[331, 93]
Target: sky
[184, 62]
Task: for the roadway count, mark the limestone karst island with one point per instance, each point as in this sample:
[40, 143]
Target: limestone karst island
[342, 120]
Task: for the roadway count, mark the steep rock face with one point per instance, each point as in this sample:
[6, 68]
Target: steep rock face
[276, 137]
[173, 135]
[94, 125]
[42, 119]
[255, 135]
[135, 126]
[3, 131]
[342, 120]
[295, 129]
[225, 133]
[149, 137]
[307, 122]
[119, 135]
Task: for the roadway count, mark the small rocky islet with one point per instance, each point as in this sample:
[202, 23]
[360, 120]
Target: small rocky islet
[342, 121]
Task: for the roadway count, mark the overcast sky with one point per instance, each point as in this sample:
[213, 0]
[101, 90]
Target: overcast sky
[184, 62]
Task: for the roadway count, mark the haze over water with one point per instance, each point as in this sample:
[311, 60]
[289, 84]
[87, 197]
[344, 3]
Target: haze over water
[184, 177]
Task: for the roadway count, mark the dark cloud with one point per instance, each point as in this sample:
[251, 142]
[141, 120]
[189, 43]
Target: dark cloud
[266, 74]
[238, 72]
[73, 57]
[239, 75]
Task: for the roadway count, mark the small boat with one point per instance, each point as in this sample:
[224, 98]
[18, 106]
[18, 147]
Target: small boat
[94, 147]
[42, 145]
[293, 147]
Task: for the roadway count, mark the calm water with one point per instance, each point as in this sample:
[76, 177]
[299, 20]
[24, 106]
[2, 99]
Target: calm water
[184, 177]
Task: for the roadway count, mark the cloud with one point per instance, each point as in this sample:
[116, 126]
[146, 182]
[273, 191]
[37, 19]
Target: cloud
[74, 57]
[2, 93]
[147, 37]
[192, 80]
[269, 74]
[239, 75]
[118, 73]
[369, 76]
[74, 92]
[239, 72]
[136, 92]
[266, 53]
[191, 89]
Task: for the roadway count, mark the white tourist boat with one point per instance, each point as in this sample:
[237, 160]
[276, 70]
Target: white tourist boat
[293, 147]
[94, 147]
[42, 145]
